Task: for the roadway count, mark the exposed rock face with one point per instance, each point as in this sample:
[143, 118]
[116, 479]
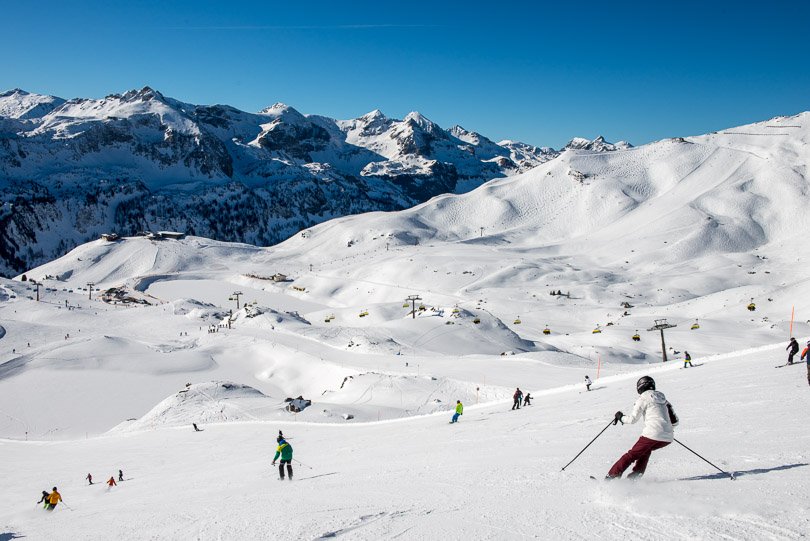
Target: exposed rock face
[71, 170]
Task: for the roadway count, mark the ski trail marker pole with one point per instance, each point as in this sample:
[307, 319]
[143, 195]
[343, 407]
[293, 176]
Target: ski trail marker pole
[731, 475]
[792, 308]
[593, 440]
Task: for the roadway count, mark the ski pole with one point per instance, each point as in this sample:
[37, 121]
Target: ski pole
[731, 475]
[301, 463]
[593, 440]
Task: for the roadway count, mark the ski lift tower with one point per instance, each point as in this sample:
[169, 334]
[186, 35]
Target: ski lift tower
[36, 284]
[90, 290]
[412, 299]
[660, 325]
[235, 297]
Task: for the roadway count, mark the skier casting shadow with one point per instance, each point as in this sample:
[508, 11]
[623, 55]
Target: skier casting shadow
[658, 432]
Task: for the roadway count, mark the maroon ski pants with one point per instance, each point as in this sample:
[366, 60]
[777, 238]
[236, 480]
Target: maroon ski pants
[640, 454]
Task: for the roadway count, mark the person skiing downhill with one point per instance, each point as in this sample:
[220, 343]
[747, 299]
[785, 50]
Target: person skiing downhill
[517, 397]
[588, 383]
[89, 478]
[284, 450]
[459, 411]
[792, 349]
[44, 499]
[659, 420]
[527, 400]
[111, 483]
[120, 475]
[687, 359]
[53, 499]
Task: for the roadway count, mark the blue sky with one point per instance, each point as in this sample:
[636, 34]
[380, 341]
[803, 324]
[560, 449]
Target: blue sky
[540, 72]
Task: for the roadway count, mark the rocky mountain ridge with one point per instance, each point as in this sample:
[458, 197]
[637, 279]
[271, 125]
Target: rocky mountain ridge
[72, 169]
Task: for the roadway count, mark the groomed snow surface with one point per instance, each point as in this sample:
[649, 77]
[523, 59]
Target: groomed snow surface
[494, 475]
[689, 230]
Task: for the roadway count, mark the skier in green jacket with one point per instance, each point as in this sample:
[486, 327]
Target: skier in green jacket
[284, 450]
[459, 411]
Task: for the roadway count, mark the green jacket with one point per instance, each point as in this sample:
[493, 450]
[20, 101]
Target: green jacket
[285, 450]
[459, 408]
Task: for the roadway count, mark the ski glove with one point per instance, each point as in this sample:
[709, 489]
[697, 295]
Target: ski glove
[618, 418]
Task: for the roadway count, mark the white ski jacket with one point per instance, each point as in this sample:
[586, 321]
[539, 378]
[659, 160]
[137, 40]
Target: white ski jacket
[652, 406]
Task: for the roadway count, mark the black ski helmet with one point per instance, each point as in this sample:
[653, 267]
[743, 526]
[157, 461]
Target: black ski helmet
[645, 383]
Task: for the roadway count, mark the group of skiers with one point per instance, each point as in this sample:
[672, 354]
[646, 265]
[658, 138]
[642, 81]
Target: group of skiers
[110, 482]
[651, 405]
[518, 397]
[50, 499]
[793, 348]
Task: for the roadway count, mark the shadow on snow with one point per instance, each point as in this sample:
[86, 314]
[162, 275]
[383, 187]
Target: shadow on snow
[745, 472]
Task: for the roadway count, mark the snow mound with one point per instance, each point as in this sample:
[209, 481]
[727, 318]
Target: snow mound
[391, 396]
[209, 402]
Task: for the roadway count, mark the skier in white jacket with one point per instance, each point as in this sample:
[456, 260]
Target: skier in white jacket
[659, 420]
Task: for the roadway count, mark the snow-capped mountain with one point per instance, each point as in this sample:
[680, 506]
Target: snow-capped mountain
[23, 105]
[597, 145]
[73, 169]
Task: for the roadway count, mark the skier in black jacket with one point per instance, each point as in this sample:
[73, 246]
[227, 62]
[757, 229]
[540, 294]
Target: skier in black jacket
[792, 349]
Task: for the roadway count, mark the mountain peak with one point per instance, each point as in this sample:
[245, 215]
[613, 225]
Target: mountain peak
[23, 105]
[418, 119]
[596, 145]
[14, 92]
[276, 108]
[145, 94]
[376, 114]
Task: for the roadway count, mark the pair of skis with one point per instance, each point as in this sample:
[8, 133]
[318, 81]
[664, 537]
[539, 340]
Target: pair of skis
[788, 364]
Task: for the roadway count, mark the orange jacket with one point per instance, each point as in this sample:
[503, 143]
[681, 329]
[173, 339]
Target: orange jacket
[54, 498]
[111, 482]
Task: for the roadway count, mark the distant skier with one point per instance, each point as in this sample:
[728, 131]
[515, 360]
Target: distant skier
[517, 397]
[792, 349]
[459, 411]
[53, 499]
[111, 483]
[658, 432]
[120, 476]
[284, 450]
[89, 478]
[687, 359]
[44, 499]
[527, 400]
[195, 427]
[588, 383]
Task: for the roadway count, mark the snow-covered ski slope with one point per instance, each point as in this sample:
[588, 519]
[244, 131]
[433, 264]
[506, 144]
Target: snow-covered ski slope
[495, 475]
[689, 230]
